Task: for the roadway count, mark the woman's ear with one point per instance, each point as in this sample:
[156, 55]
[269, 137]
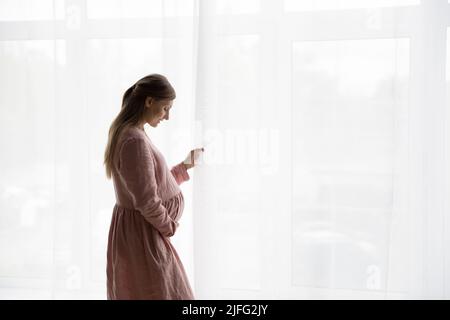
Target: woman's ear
[148, 102]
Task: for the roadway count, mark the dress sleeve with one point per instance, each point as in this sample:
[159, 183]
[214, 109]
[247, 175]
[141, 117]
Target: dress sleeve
[180, 173]
[137, 168]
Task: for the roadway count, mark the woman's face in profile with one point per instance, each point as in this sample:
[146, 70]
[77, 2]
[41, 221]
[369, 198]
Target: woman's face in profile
[157, 110]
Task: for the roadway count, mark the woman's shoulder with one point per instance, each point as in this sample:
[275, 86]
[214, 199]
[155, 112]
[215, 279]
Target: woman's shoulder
[132, 133]
[131, 136]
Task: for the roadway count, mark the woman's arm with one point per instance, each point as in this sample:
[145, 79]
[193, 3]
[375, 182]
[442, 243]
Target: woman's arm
[180, 173]
[138, 171]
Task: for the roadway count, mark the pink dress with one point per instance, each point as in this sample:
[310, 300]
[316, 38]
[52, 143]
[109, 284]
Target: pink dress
[141, 261]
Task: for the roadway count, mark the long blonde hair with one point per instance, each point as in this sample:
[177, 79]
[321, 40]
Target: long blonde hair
[154, 85]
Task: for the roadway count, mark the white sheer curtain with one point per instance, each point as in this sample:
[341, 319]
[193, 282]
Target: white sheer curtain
[65, 66]
[327, 174]
[326, 171]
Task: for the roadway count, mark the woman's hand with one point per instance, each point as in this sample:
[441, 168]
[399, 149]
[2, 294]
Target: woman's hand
[192, 157]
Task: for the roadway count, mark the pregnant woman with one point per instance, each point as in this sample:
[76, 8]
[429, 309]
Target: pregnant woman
[141, 261]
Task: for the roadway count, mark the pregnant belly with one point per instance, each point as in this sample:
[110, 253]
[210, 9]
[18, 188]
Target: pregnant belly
[175, 206]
